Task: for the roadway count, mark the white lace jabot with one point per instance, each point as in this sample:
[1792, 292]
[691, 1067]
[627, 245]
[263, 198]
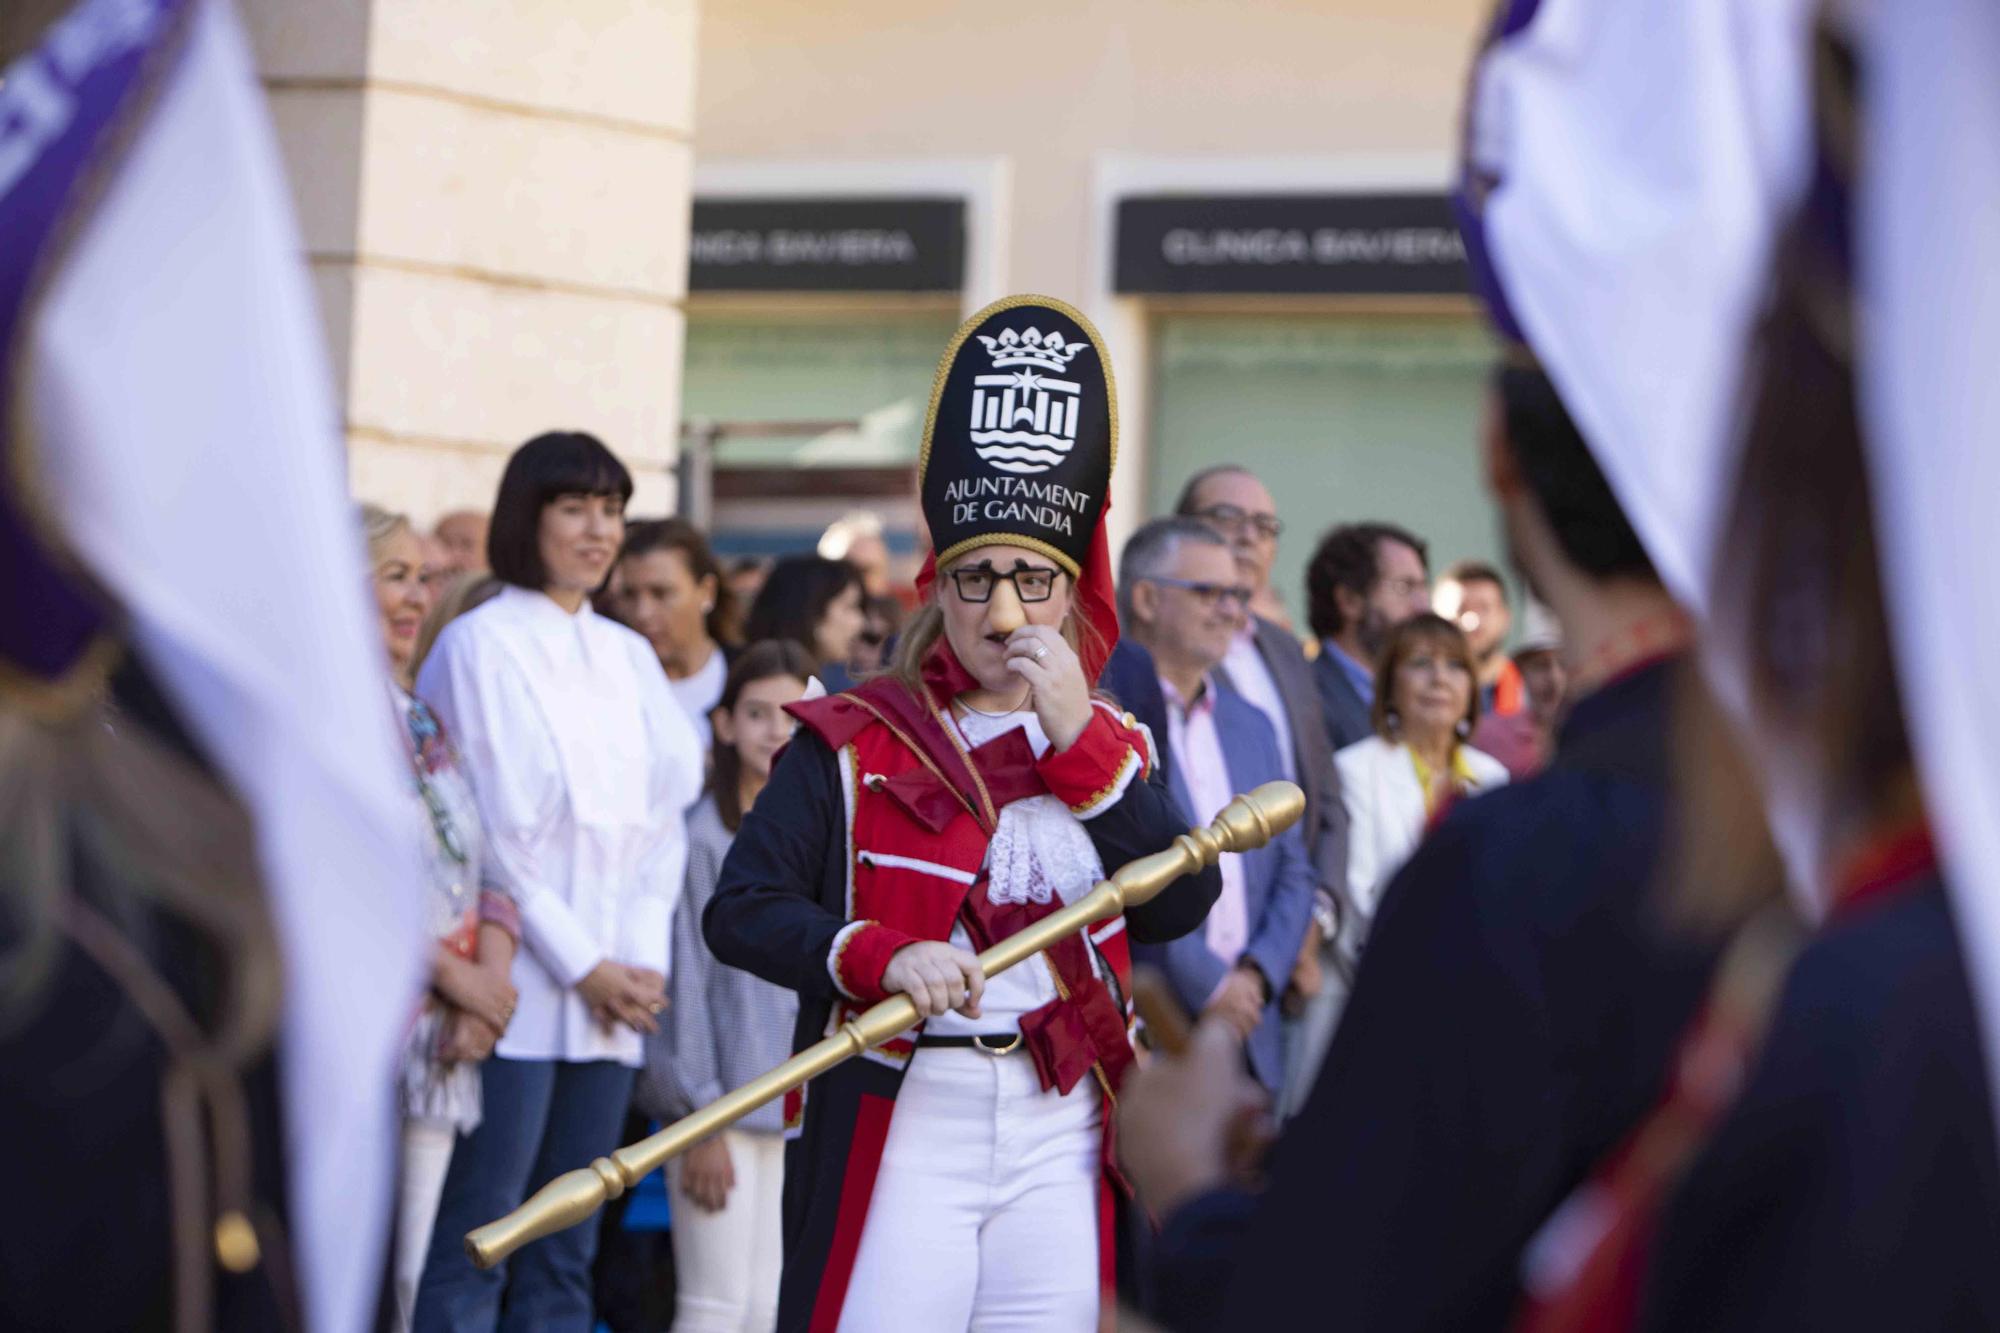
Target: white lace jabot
[1040, 851]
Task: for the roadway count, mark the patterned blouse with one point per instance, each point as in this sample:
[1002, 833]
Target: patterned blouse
[460, 898]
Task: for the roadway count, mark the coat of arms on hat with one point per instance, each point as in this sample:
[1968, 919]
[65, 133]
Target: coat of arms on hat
[1025, 421]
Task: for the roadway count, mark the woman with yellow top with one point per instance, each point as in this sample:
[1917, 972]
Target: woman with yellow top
[1397, 782]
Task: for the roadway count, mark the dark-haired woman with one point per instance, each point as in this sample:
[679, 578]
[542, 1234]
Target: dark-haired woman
[670, 589]
[818, 604]
[724, 1027]
[1396, 782]
[582, 763]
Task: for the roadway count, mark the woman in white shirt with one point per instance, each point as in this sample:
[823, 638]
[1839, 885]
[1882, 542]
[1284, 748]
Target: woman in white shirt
[582, 762]
[1398, 781]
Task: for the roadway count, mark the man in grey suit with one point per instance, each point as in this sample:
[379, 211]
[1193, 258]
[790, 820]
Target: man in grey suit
[1267, 668]
[1183, 600]
[1364, 580]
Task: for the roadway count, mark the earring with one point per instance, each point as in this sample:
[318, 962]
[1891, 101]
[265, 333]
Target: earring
[1394, 719]
[1464, 728]
[707, 607]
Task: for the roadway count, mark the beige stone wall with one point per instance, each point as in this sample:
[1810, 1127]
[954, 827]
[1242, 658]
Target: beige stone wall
[1054, 87]
[494, 199]
[1057, 108]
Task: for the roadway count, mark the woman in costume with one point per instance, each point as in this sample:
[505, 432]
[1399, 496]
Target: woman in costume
[958, 1176]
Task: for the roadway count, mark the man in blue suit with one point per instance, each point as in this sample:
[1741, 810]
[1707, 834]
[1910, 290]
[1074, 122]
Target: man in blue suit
[1184, 602]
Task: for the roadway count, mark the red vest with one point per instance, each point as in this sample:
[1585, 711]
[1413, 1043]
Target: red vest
[920, 813]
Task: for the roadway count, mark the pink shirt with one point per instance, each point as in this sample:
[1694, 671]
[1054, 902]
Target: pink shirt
[1197, 753]
[1252, 677]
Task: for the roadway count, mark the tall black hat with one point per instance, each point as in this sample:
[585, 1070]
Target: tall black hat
[1021, 435]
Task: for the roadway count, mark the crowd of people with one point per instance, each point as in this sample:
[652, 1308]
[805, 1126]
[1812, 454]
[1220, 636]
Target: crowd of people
[1623, 956]
[591, 716]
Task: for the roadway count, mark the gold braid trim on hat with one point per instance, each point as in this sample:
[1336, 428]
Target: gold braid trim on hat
[1069, 566]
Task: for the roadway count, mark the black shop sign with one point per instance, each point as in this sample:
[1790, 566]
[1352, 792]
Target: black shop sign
[827, 245]
[1370, 244]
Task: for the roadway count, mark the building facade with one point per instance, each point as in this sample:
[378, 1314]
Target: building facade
[1249, 201]
[494, 201]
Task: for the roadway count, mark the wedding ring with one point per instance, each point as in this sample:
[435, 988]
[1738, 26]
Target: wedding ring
[1040, 652]
[656, 1006]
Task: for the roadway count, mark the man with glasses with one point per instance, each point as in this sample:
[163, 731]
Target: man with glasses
[1184, 601]
[1266, 666]
[1365, 579]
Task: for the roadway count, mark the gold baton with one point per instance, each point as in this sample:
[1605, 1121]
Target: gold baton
[1245, 823]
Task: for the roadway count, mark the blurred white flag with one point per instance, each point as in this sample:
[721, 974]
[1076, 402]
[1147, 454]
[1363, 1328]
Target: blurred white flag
[182, 432]
[1927, 272]
[1636, 161]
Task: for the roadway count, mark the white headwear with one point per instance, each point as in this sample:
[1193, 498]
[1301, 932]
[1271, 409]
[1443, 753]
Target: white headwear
[183, 432]
[1627, 168]
[1927, 270]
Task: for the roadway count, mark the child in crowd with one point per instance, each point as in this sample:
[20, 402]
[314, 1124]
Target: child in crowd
[724, 1027]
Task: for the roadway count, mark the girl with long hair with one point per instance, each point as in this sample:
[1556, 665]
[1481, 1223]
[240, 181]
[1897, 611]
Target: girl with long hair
[724, 1027]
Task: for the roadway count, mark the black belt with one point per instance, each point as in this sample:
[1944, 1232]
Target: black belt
[986, 1043]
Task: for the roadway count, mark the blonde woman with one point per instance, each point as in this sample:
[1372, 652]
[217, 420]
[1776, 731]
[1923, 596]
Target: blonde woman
[475, 925]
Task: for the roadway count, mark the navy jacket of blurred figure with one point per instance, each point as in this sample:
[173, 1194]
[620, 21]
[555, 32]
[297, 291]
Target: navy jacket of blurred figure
[1513, 1017]
[1854, 1183]
[1278, 883]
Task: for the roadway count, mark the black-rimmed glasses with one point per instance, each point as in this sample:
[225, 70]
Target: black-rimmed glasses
[1032, 583]
[1233, 519]
[1210, 594]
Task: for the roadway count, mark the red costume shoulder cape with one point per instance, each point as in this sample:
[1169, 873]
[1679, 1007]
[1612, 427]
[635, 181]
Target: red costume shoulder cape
[921, 810]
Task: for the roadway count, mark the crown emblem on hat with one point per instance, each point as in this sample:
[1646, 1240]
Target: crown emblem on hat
[1032, 348]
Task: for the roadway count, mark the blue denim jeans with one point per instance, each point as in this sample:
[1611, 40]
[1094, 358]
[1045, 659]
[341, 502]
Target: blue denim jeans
[541, 1118]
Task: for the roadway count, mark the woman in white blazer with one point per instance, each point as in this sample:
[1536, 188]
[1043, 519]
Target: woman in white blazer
[1396, 782]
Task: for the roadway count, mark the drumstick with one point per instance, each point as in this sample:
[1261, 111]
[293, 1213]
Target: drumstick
[1166, 1021]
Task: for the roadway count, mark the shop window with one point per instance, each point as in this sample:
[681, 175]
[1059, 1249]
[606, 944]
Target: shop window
[872, 370]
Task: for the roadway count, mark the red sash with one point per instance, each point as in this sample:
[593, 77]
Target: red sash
[1084, 1026]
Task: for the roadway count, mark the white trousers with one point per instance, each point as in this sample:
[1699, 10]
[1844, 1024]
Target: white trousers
[727, 1264]
[427, 1148]
[984, 1215]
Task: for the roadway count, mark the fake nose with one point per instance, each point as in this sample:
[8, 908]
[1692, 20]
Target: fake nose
[1003, 612]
